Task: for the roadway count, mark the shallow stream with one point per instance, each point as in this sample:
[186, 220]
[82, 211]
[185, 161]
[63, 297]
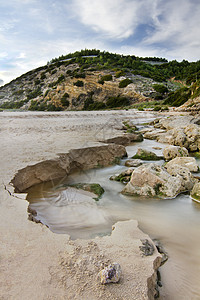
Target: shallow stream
[174, 222]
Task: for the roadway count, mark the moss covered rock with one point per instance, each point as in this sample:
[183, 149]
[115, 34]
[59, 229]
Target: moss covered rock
[146, 155]
[94, 188]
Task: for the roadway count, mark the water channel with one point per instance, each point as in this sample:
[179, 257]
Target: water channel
[175, 222]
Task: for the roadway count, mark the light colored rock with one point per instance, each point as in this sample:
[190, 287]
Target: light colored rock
[187, 162]
[182, 131]
[153, 180]
[195, 193]
[112, 273]
[192, 133]
[133, 163]
[178, 137]
[187, 180]
[171, 152]
[153, 134]
[125, 139]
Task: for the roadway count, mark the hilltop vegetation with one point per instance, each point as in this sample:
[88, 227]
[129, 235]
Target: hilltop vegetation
[91, 79]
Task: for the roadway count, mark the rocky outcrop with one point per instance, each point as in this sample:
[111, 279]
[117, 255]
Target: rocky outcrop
[76, 159]
[171, 152]
[187, 162]
[152, 180]
[188, 137]
[183, 131]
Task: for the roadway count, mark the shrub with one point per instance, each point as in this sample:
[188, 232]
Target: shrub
[157, 108]
[178, 97]
[18, 93]
[60, 78]
[160, 88]
[79, 75]
[119, 74]
[125, 82]
[79, 83]
[106, 77]
[97, 106]
[117, 102]
[37, 81]
[43, 76]
[46, 93]
[34, 94]
[100, 81]
[53, 71]
[64, 100]
[69, 72]
[87, 103]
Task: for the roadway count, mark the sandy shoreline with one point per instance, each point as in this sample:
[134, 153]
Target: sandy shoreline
[33, 260]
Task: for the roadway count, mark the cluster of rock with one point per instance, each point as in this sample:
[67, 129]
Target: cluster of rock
[180, 131]
[153, 180]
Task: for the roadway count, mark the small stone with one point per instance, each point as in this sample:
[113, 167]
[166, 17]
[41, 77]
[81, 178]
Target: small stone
[109, 274]
[133, 163]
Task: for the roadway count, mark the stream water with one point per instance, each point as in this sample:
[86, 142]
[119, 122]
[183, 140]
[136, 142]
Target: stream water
[174, 222]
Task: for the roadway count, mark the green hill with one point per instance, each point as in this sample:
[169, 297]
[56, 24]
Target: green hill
[91, 79]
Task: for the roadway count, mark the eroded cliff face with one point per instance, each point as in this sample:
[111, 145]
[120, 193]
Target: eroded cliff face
[65, 87]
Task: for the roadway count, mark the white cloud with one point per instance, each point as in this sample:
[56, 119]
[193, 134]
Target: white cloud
[178, 29]
[117, 19]
[3, 55]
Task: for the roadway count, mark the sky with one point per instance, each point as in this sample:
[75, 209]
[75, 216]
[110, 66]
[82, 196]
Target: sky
[33, 32]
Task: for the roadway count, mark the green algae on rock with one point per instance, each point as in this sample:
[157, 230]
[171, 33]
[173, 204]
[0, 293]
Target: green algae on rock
[146, 155]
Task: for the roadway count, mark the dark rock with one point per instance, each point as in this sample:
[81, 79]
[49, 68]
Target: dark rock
[147, 248]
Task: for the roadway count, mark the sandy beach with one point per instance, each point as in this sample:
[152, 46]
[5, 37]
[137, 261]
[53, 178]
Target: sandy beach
[38, 264]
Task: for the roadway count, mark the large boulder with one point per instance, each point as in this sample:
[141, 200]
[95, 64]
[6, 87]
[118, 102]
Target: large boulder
[187, 162]
[171, 152]
[153, 180]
